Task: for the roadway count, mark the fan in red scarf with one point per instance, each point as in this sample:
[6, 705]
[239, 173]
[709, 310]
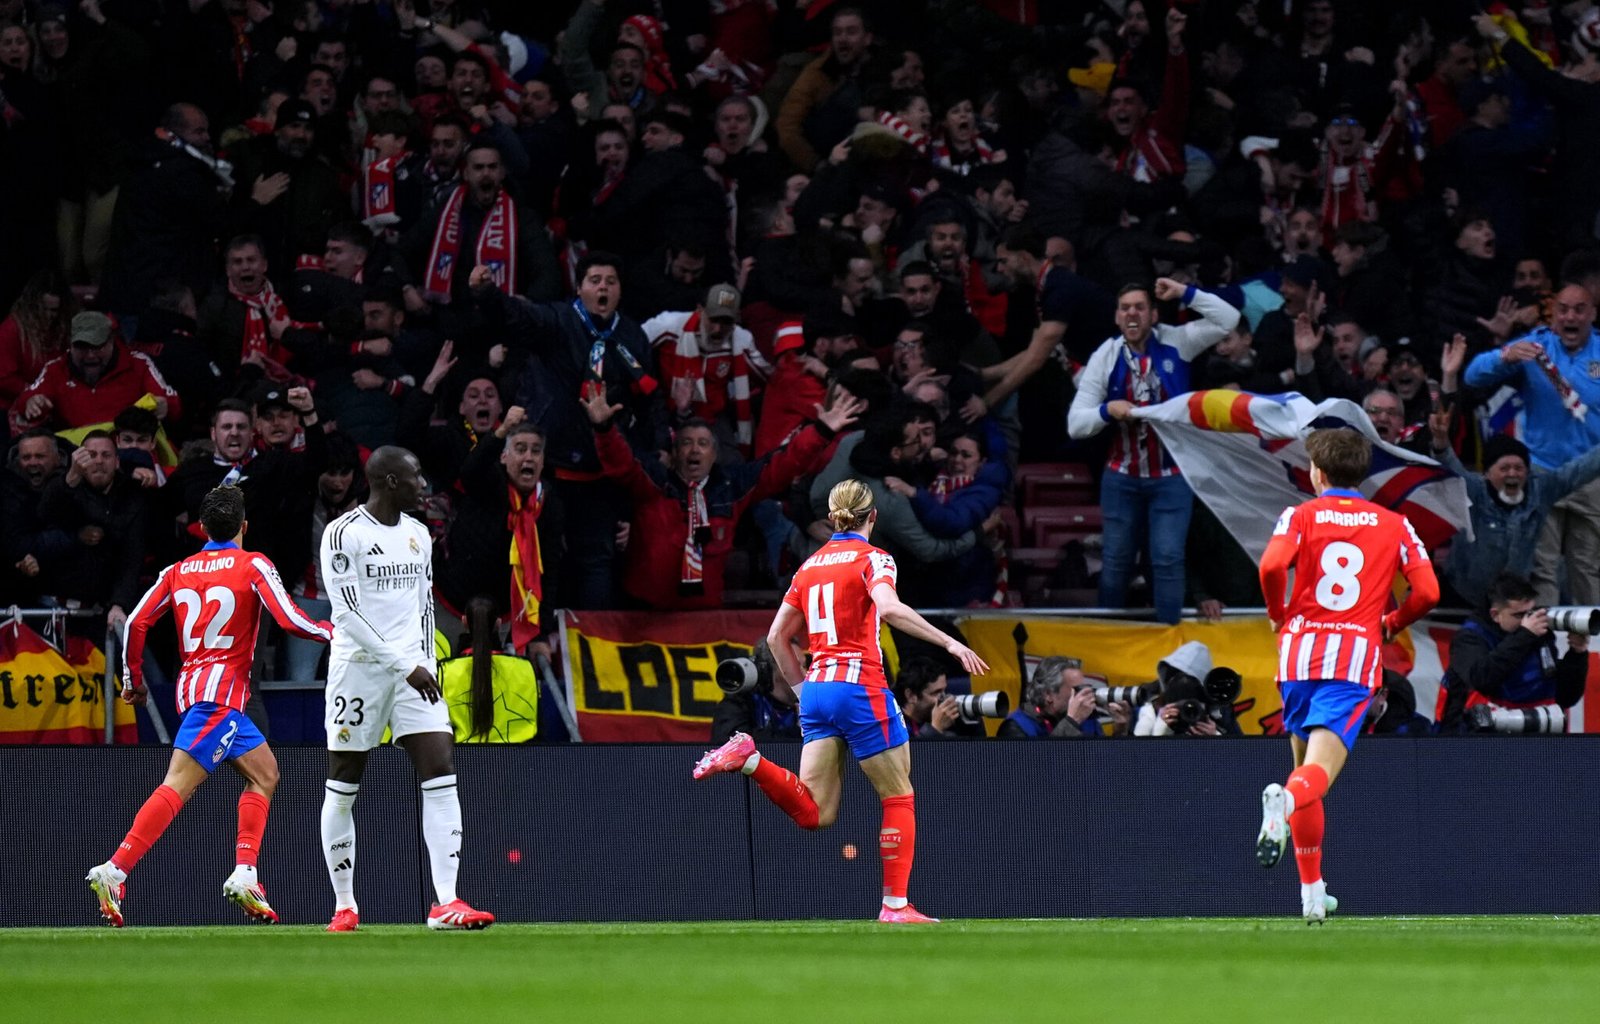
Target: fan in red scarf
[643, 31]
[496, 243]
[707, 358]
[387, 140]
[266, 318]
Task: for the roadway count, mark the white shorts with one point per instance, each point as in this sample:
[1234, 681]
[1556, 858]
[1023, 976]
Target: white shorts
[364, 697]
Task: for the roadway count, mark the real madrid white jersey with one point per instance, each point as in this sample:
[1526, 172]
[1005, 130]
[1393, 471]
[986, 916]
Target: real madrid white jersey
[380, 583]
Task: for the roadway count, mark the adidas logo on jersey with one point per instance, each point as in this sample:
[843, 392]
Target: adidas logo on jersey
[343, 865]
[375, 550]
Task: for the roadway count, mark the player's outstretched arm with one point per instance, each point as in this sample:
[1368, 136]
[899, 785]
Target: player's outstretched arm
[151, 606]
[787, 627]
[269, 588]
[897, 614]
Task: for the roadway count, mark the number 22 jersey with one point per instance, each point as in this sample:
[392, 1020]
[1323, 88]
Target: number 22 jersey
[1345, 552]
[217, 595]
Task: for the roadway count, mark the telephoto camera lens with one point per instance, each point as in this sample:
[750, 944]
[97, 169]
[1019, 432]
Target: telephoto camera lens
[1222, 685]
[737, 675]
[1575, 619]
[1134, 695]
[975, 707]
[1544, 719]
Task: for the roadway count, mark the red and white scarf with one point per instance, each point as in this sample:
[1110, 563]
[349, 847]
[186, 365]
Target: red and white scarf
[495, 248]
[942, 157]
[262, 311]
[1569, 395]
[527, 564]
[905, 131]
[682, 359]
[657, 66]
[692, 578]
[942, 487]
[377, 196]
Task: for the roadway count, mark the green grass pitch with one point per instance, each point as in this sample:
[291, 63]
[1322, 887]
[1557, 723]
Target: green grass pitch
[1411, 970]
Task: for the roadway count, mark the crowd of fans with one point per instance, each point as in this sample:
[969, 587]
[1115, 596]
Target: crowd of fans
[639, 280]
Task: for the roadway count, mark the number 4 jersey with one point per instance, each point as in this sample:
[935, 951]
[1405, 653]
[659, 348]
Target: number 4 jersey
[1345, 552]
[216, 597]
[833, 589]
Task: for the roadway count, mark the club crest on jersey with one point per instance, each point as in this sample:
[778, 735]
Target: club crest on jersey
[341, 562]
[414, 549]
[1594, 369]
[1166, 366]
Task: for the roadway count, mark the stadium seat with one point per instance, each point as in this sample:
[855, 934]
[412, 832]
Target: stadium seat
[1051, 484]
[1053, 527]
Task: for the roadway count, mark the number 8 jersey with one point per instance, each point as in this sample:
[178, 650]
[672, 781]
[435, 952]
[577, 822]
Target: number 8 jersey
[833, 589]
[1345, 552]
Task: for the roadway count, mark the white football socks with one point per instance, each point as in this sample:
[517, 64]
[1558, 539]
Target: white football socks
[339, 841]
[441, 829]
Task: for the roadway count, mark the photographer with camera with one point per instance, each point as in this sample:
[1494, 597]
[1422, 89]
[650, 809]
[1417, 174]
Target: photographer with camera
[755, 700]
[931, 711]
[1505, 675]
[1060, 703]
[1195, 699]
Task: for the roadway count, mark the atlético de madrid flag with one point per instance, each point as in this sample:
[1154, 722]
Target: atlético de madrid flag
[1245, 456]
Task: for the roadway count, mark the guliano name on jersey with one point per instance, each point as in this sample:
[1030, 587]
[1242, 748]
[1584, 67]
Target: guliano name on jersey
[206, 564]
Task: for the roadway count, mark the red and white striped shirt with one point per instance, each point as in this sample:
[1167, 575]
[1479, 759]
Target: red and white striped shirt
[833, 589]
[218, 594]
[1345, 552]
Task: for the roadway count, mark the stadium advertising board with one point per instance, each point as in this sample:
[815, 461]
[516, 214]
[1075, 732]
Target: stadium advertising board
[48, 697]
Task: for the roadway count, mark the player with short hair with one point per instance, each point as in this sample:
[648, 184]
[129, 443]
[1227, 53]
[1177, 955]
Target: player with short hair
[837, 600]
[217, 595]
[378, 564]
[1345, 552]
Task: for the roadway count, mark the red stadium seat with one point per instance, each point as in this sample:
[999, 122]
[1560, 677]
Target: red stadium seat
[1053, 527]
[1046, 484]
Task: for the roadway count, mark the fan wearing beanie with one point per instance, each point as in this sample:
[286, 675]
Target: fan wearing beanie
[1510, 504]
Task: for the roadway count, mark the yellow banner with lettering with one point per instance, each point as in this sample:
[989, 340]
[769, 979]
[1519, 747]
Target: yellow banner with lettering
[1126, 653]
[646, 678]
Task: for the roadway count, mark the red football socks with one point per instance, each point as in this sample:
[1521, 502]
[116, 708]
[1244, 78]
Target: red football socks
[1308, 784]
[785, 789]
[152, 820]
[252, 823]
[897, 844]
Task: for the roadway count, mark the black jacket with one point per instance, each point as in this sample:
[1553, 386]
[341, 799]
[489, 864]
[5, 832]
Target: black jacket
[297, 221]
[558, 342]
[665, 197]
[170, 214]
[473, 560]
[1516, 667]
[279, 488]
[106, 572]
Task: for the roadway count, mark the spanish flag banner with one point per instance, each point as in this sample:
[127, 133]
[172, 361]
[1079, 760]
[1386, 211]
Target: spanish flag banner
[1245, 457]
[46, 697]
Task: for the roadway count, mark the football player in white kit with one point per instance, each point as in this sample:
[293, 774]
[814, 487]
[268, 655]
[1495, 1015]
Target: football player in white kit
[378, 564]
